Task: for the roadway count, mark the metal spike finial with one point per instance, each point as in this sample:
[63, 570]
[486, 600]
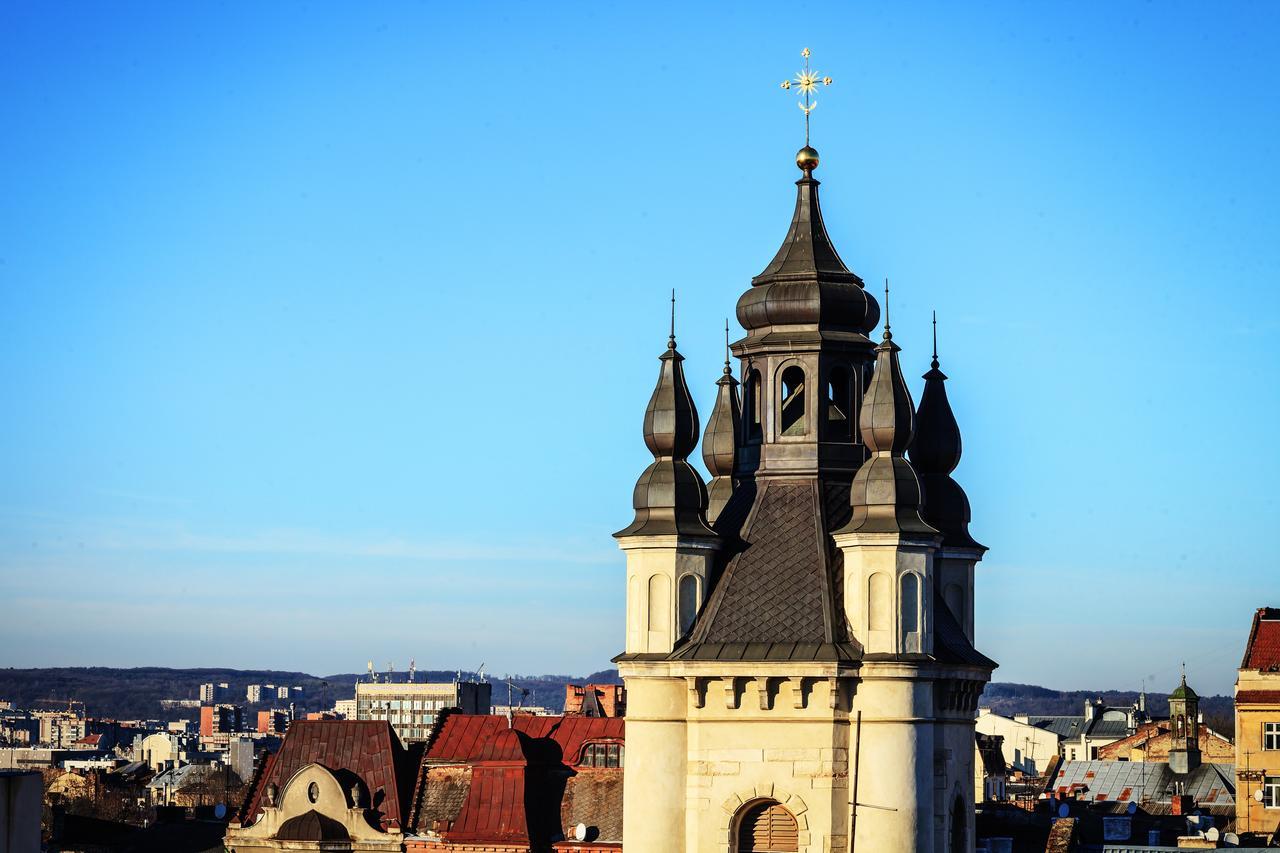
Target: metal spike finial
[671, 342]
[934, 363]
[807, 81]
[888, 335]
[727, 369]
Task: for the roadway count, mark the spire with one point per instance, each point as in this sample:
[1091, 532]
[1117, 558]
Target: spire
[807, 282]
[935, 453]
[670, 497]
[720, 444]
[886, 495]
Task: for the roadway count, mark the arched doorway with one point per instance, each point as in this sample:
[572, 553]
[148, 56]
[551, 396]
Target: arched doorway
[767, 827]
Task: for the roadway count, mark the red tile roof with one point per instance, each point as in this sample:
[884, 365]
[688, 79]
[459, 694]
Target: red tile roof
[1258, 697]
[1263, 650]
[465, 737]
[367, 748]
[511, 781]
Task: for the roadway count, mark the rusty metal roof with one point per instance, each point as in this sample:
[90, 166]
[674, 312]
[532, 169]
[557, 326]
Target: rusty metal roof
[1144, 781]
[369, 749]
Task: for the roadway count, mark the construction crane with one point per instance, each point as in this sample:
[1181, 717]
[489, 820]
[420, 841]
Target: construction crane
[70, 703]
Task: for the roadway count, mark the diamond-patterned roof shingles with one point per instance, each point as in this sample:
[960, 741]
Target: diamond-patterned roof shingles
[773, 590]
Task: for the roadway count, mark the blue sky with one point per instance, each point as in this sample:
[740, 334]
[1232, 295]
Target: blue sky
[328, 329]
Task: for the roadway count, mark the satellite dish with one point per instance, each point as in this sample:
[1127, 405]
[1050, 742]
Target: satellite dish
[1257, 795]
[580, 832]
[1064, 810]
[1133, 808]
[1231, 839]
[1211, 834]
[220, 811]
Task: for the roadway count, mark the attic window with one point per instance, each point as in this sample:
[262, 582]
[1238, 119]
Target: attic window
[602, 755]
[793, 401]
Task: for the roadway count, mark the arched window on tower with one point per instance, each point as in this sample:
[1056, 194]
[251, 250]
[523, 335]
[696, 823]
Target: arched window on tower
[792, 401]
[959, 827]
[768, 827]
[688, 602]
[909, 614]
[839, 408]
[753, 421]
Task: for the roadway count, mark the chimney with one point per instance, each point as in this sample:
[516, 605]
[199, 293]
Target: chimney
[1182, 804]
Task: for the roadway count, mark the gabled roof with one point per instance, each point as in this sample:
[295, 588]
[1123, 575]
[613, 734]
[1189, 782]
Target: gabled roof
[367, 748]
[1263, 649]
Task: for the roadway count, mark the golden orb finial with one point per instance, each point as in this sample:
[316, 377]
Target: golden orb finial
[807, 159]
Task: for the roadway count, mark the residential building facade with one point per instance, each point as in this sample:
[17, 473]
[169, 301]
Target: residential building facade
[1258, 726]
[411, 707]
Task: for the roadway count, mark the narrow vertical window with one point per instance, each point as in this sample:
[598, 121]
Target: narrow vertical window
[909, 617]
[792, 401]
[659, 603]
[839, 410]
[688, 602]
[879, 608]
[754, 419]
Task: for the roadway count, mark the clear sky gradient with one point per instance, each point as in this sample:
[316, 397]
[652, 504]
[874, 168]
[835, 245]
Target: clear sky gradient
[328, 328]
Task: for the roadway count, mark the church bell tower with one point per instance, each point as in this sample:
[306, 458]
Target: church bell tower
[799, 654]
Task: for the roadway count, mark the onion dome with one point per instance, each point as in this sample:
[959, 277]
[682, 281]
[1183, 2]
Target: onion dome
[1182, 691]
[886, 494]
[720, 444]
[935, 453]
[670, 497]
[807, 283]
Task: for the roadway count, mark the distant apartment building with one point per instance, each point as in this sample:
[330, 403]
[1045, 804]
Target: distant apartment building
[211, 693]
[61, 729]
[1026, 748]
[253, 694]
[1258, 726]
[411, 707]
[220, 719]
[345, 709]
[595, 700]
[273, 722]
[282, 692]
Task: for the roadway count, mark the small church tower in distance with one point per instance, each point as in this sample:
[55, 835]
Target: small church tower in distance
[799, 656]
[1184, 728]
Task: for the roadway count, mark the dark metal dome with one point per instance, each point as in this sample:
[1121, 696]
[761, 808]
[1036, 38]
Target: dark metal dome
[806, 283]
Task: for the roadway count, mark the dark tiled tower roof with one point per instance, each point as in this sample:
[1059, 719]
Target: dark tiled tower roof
[670, 497]
[720, 443]
[886, 494]
[776, 589]
[934, 454]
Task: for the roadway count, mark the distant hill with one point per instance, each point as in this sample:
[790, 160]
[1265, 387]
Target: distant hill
[1009, 699]
[136, 693]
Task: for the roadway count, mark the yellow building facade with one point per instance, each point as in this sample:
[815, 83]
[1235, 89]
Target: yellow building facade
[803, 641]
[1258, 727]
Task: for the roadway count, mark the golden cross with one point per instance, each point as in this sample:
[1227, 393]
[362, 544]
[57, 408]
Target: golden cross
[807, 80]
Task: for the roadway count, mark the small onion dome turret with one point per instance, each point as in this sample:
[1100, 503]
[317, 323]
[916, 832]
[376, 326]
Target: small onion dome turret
[670, 497]
[1182, 691]
[886, 494]
[935, 453]
[720, 444]
[807, 283]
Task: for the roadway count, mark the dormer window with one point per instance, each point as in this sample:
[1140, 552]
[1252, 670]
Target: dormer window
[602, 755]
